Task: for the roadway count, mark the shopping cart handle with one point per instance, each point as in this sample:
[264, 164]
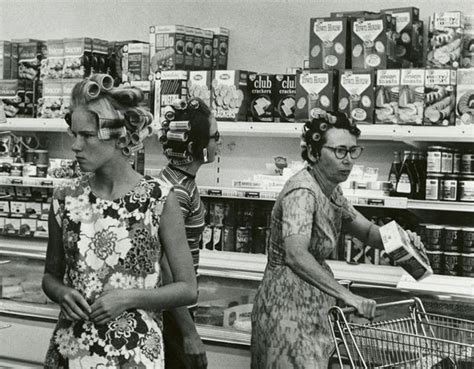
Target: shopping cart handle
[352, 310]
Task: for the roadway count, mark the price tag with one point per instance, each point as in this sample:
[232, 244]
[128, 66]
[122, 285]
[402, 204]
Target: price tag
[17, 182]
[252, 194]
[376, 202]
[46, 183]
[214, 192]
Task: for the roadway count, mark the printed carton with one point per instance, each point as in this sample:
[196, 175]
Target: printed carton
[77, 57]
[167, 44]
[440, 99]
[229, 95]
[138, 62]
[398, 245]
[220, 45]
[207, 49]
[5, 59]
[118, 59]
[356, 95]
[284, 97]
[387, 88]
[328, 43]
[465, 96]
[260, 87]
[190, 37]
[99, 55]
[172, 85]
[52, 67]
[14, 60]
[315, 91]
[198, 49]
[51, 103]
[30, 54]
[467, 53]
[411, 98]
[199, 85]
[9, 95]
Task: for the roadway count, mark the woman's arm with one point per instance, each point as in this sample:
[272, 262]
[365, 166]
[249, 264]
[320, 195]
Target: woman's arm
[364, 230]
[72, 303]
[183, 290]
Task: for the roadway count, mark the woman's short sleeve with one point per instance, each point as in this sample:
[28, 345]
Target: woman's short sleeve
[298, 208]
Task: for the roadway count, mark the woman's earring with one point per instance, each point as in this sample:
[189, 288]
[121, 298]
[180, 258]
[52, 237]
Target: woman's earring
[204, 155]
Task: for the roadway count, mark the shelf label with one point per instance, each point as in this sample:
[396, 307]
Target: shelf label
[252, 194]
[46, 183]
[376, 202]
[17, 181]
[214, 192]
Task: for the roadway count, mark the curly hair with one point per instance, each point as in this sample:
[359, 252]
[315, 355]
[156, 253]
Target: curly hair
[314, 131]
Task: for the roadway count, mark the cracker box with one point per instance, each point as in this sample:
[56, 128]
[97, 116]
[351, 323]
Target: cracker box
[465, 96]
[351, 14]
[411, 97]
[207, 49]
[467, 52]
[52, 66]
[171, 85]
[5, 59]
[229, 95]
[14, 60]
[398, 245]
[440, 99]
[284, 97]
[387, 87]
[445, 39]
[220, 45]
[198, 49]
[138, 62]
[9, 95]
[328, 43]
[199, 85]
[260, 88]
[373, 42]
[167, 44]
[77, 57]
[315, 91]
[356, 95]
[51, 103]
[30, 54]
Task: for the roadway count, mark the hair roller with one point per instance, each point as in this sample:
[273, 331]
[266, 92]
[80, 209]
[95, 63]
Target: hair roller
[177, 136]
[129, 96]
[137, 137]
[108, 133]
[179, 104]
[135, 119]
[105, 81]
[169, 113]
[323, 127]
[316, 136]
[124, 140]
[173, 154]
[129, 150]
[180, 125]
[90, 90]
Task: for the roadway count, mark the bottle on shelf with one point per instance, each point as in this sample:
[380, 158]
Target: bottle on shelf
[417, 176]
[420, 165]
[394, 172]
[407, 181]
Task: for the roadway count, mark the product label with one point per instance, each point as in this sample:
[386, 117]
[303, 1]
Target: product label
[314, 83]
[438, 77]
[412, 77]
[404, 184]
[447, 19]
[355, 84]
[327, 31]
[388, 77]
[368, 30]
[403, 19]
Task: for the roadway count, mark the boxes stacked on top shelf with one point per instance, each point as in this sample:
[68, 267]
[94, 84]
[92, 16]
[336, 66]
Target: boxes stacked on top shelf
[77, 57]
[229, 96]
[465, 96]
[136, 62]
[10, 97]
[387, 88]
[260, 87]
[283, 97]
[118, 59]
[172, 86]
[100, 50]
[467, 52]
[356, 95]
[199, 85]
[440, 99]
[5, 60]
[220, 47]
[52, 66]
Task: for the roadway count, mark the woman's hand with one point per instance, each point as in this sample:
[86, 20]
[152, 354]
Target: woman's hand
[195, 351]
[365, 307]
[108, 306]
[73, 305]
[416, 241]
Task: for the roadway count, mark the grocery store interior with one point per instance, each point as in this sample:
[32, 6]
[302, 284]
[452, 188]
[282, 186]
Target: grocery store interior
[274, 38]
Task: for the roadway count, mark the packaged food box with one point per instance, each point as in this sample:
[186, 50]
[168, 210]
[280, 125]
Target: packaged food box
[138, 62]
[167, 44]
[77, 57]
[27, 227]
[467, 52]
[51, 102]
[328, 43]
[99, 55]
[440, 99]
[315, 91]
[373, 42]
[9, 94]
[207, 49]
[198, 49]
[29, 93]
[52, 66]
[465, 96]
[387, 88]
[356, 95]
[67, 86]
[284, 97]
[190, 39]
[199, 85]
[411, 98]
[260, 88]
[220, 48]
[14, 60]
[172, 85]
[229, 95]
[5, 59]
[118, 59]
[445, 39]
[30, 54]
[398, 245]
[351, 14]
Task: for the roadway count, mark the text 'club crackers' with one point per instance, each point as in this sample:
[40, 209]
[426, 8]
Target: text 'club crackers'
[411, 98]
[229, 95]
[387, 88]
[465, 96]
[315, 91]
[356, 95]
[327, 43]
[260, 88]
[283, 97]
[167, 48]
[440, 99]
[199, 85]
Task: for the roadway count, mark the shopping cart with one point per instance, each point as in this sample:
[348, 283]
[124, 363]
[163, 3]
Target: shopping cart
[418, 341]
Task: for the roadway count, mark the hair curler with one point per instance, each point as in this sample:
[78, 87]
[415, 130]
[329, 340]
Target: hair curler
[180, 125]
[177, 136]
[105, 81]
[108, 133]
[129, 150]
[173, 154]
[124, 141]
[179, 104]
[137, 137]
[169, 113]
[90, 90]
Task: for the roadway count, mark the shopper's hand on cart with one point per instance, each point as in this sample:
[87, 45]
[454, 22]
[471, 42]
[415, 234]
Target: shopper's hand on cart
[364, 307]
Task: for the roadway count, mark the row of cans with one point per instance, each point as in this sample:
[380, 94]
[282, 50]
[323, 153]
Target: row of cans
[452, 263]
[237, 213]
[253, 240]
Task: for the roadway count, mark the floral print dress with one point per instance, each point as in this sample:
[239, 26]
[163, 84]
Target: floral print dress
[290, 328]
[110, 245]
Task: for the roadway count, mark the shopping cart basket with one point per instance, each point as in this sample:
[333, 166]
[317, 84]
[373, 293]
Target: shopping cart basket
[418, 341]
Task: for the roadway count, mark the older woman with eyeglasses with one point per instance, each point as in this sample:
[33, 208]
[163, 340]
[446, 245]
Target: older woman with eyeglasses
[290, 326]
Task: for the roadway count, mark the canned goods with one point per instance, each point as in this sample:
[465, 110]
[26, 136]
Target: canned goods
[228, 238]
[467, 265]
[243, 239]
[451, 263]
[466, 188]
[467, 163]
[451, 238]
[433, 236]
[259, 240]
[30, 156]
[29, 170]
[449, 188]
[436, 261]
[456, 161]
[41, 170]
[447, 161]
[16, 169]
[433, 159]
[433, 186]
[217, 238]
[467, 238]
[42, 157]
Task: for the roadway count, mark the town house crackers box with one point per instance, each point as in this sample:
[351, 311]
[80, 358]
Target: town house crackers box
[387, 87]
[465, 96]
[229, 96]
[283, 97]
[411, 98]
[315, 91]
[440, 99]
[167, 45]
[356, 95]
[199, 85]
[373, 41]
[260, 87]
[328, 43]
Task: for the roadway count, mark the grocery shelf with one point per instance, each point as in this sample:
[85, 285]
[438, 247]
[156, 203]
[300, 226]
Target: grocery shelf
[461, 133]
[467, 207]
[34, 125]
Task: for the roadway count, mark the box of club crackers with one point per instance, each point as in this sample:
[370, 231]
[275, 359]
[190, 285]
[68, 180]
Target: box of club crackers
[356, 95]
[260, 88]
[199, 85]
[284, 97]
[411, 96]
[440, 99]
[398, 245]
[229, 95]
[167, 44]
[387, 88]
[328, 43]
[315, 91]
[465, 96]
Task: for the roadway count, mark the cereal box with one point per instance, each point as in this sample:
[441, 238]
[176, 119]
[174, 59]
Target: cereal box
[445, 38]
[30, 54]
[5, 59]
[99, 55]
[387, 87]
[328, 43]
[189, 47]
[373, 41]
[284, 97]
[315, 91]
[465, 96]
[260, 88]
[207, 49]
[138, 62]
[398, 245]
[440, 100]
[220, 47]
[411, 97]
[229, 95]
[172, 86]
[9, 95]
[199, 85]
[198, 49]
[52, 66]
[77, 57]
[467, 53]
[167, 45]
[356, 95]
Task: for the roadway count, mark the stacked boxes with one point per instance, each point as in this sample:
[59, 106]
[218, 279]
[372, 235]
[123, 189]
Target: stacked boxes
[77, 57]
[137, 66]
[356, 95]
[220, 47]
[328, 43]
[190, 39]
[260, 88]
[5, 59]
[9, 96]
[51, 102]
[172, 86]
[411, 98]
[467, 52]
[207, 49]
[229, 97]
[283, 97]
[440, 100]
[52, 66]
[30, 54]
[167, 44]
[199, 85]
[386, 95]
[465, 96]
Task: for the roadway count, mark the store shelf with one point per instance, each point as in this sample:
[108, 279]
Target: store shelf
[467, 207]
[34, 125]
[33, 181]
[223, 335]
[462, 133]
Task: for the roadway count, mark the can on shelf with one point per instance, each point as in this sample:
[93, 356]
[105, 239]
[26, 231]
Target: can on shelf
[457, 161]
[447, 160]
[228, 238]
[433, 159]
[466, 188]
[451, 263]
[436, 261]
[42, 156]
[243, 239]
[16, 169]
[434, 234]
[41, 170]
[451, 238]
[259, 240]
[467, 265]
[467, 162]
[467, 239]
[449, 188]
[433, 186]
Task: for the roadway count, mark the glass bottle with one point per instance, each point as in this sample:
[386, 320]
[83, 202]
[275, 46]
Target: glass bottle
[406, 184]
[394, 172]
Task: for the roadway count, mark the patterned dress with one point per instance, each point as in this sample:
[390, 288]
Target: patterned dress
[290, 327]
[110, 245]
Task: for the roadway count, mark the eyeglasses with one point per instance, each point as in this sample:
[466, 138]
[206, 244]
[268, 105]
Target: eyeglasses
[341, 151]
[216, 136]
